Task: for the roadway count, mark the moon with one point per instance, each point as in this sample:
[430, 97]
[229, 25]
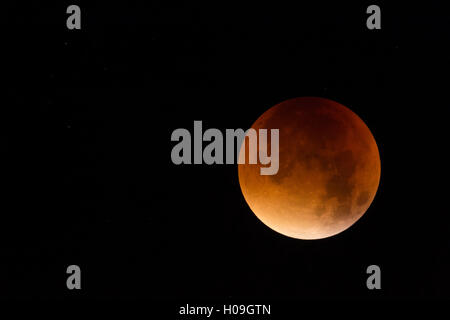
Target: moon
[329, 169]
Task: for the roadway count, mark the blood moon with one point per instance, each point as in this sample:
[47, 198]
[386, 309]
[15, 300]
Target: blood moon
[329, 169]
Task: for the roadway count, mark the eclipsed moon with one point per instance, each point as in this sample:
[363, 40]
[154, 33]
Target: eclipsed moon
[329, 169]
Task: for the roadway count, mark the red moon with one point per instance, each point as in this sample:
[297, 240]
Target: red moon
[329, 169]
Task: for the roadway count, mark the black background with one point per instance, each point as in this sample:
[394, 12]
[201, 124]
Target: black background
[87, 177]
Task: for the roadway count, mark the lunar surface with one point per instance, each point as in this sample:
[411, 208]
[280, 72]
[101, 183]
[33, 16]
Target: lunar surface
[329, 169]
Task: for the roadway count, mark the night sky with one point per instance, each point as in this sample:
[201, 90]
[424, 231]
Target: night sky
[87, 177]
